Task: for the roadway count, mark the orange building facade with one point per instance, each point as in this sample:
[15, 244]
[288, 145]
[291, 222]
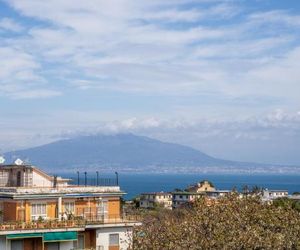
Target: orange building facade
[39, 211]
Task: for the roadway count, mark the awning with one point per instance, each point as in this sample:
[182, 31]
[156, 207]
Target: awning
[21, 236]
[60, 236]
[47, 237]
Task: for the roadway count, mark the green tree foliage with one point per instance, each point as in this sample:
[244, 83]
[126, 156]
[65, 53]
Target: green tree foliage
[287, 203]
[232, 223]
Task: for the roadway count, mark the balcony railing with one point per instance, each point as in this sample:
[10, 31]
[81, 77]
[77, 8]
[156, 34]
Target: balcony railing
[75, 222]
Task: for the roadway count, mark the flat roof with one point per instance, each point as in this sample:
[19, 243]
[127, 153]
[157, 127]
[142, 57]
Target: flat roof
[68, 191]
[157, 193]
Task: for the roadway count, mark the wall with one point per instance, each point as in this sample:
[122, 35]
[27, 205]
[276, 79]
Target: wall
[102, 237]
[113, 209]
[27, 211]
[40, 181]
[51, 209]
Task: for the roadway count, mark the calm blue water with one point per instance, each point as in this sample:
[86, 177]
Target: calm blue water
[135, 184]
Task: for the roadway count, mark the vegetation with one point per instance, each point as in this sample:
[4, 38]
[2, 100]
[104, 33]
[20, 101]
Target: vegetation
[231, 223]
[287, 203]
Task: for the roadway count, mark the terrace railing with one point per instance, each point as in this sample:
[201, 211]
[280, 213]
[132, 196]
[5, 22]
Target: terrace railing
[75, 222]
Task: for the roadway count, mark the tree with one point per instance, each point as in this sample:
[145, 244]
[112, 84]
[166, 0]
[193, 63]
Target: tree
[231, 223]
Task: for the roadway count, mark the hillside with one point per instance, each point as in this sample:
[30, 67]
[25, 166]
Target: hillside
[122, 150]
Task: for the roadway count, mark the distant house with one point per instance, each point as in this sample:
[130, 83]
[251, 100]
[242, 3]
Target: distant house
[269, 195]
[151, 200]
[202, 186]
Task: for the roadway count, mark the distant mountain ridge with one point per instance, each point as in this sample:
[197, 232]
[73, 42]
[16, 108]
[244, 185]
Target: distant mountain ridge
[117, 151]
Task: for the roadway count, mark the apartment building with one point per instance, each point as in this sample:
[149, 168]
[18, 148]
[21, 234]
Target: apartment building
[151, 200]
[43, 212]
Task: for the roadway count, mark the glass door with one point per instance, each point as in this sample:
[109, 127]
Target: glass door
[102, 210]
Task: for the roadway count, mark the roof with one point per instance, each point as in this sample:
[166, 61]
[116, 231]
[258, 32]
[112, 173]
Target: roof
[157, 193]
[49, 177]
[188, 193]
[15, 166]
[268, 190]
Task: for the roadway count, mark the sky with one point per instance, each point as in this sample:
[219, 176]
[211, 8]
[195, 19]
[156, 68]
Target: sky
[222, 76]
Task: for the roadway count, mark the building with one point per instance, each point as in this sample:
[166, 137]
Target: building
[269, 195]
[151, 200]
[201, 189]
[217, 194]
[181, 198]
[203, 186]
[43, 212]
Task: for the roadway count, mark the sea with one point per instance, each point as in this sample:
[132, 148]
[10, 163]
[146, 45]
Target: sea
[135, 184]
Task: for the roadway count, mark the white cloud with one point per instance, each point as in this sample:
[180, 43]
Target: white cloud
[19, 77]
[10, 25]
[276, 16]
[126, 46]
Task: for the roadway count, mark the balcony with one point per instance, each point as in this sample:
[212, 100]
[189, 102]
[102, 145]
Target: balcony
[75, 222]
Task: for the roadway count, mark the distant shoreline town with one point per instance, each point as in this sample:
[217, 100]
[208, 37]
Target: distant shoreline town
[206, 189]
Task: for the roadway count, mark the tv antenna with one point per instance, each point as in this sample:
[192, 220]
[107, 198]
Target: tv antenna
[18, 162]
[2, 159]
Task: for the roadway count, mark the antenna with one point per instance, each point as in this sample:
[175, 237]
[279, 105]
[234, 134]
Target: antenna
[18, 162]
[2, 159]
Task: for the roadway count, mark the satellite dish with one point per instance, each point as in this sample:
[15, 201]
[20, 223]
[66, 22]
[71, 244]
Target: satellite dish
[18, 162]
[2, 159]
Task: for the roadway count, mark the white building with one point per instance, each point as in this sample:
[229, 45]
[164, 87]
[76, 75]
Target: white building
[269, 195]
[150, 200]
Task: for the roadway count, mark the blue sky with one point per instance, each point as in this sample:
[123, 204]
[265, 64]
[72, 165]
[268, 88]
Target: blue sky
[219, 75]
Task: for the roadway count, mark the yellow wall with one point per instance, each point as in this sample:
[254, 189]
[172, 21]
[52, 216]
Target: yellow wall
[27, 211]
[114, 209]
[13, 211]
[51, 209]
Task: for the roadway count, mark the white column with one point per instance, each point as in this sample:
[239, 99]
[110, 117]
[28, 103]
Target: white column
[59, 208]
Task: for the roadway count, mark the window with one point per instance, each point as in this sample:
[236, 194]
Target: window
[114, 239]
[102, 209]
[38, 210]
[69, 207]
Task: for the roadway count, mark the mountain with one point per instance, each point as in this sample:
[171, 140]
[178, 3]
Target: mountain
[121, 151]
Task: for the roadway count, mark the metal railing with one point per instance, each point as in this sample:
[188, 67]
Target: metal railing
[45, 224]
[75, 222]
[103, 182]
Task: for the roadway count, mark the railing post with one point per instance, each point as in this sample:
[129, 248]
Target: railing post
[85, 179]
[97, 172]
[117, 178]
